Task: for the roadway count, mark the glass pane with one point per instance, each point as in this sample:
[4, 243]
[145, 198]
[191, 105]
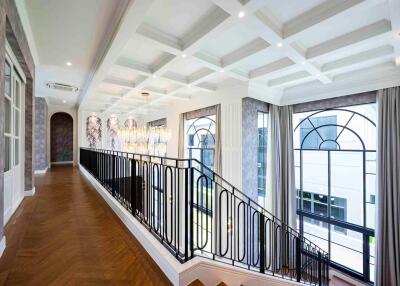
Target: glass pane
[16, 122]
[346, 249]
[7, 87]
[347, 186]
[16, 152]
[17, 94]
[372, 258]
[316, 232]
[315, 172]
[7, 116]
[7, 163]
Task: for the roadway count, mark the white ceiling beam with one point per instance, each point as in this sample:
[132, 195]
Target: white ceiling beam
[373, 32]
[360, 60]
[294, 29]
[295, 78]
[130, 21]
[272, 68]
[394, 10]
[244, 52]
[269, 30]
[160, 40]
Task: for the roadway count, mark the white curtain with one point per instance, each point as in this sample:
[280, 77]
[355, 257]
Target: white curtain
[387, 270]
[281, 164]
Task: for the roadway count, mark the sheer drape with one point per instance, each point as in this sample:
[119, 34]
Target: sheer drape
[218, 145]
[388, 208]
[281, 159]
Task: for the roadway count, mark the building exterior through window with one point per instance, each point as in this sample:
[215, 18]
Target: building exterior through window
[335, 163]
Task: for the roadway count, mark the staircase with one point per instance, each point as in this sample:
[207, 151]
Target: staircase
[193, 211]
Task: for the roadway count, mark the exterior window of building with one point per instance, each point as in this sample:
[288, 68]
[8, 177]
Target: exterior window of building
[262, 126]
[335, 164]
[200, 144]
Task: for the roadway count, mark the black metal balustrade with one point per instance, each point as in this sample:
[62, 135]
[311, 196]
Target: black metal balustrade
[193, 211]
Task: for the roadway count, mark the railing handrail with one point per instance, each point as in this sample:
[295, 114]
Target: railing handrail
[219, 178]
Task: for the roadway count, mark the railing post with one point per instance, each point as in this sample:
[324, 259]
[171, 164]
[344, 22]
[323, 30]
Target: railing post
[113, 185]
[319, 268]
[186, 214]
[191, 211]
[298, 259]
[261, 236]
[133, 186]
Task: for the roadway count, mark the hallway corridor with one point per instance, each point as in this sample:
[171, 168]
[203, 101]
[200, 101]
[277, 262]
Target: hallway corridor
[67, 235]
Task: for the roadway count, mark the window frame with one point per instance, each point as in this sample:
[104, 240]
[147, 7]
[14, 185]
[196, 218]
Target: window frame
[16, 79]
[367, 233]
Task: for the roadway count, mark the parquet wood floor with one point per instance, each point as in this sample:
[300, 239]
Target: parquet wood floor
[67, 235]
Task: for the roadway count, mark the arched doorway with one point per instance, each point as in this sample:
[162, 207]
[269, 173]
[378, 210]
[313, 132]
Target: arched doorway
[61, 138]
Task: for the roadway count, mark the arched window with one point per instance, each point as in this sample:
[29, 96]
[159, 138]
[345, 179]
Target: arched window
[335, 163]
[200, 145]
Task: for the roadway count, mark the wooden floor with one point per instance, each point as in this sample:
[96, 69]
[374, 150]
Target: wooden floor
[67, 235]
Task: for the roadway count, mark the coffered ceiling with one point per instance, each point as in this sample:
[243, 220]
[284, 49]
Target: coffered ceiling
[178, 49]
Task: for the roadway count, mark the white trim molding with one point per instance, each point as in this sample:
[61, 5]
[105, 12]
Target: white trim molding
[30, 193]
[63, 163]
[41, 172]
[2, 245]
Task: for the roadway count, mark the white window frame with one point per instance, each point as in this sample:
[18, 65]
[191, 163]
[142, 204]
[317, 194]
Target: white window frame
[17, 77]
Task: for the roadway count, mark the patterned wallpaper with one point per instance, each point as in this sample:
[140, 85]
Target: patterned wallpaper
[250, 108]
[41, 161]
[61, 137]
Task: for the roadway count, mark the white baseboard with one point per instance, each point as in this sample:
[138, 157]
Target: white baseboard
[2, 245]
[62, 163]
[30, 193]
[208, 271]
[41, 172]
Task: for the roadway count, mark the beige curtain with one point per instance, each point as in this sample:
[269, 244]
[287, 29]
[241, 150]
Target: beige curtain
[218, 145]
[282, 164]
[387, 271]
[181, 139]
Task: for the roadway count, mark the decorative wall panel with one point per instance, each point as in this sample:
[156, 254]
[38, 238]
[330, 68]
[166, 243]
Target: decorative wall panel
[41, 161]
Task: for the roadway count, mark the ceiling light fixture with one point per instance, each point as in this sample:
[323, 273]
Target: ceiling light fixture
[279, 45]
[154, 76]
[318, 74]
[68, 64]
[303, 63]
[64, 101]
[222, 70]
[183, 55]
[241, 14]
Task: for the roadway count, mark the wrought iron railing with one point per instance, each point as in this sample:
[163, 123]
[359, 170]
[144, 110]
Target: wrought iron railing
[193, 211]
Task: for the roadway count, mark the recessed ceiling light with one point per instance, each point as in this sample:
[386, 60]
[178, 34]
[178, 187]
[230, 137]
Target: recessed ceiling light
[64, 101]
[68, 64]
[303, 63]
[318, 74]
[222, 70]
[241, 14]
[154, 76]
[279, 45]
[183, 55]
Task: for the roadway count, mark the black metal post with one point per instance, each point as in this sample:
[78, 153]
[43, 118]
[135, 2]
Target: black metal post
[319, 268]
[261, 235]
[298, 259]
[133, 186]
[113, 185]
